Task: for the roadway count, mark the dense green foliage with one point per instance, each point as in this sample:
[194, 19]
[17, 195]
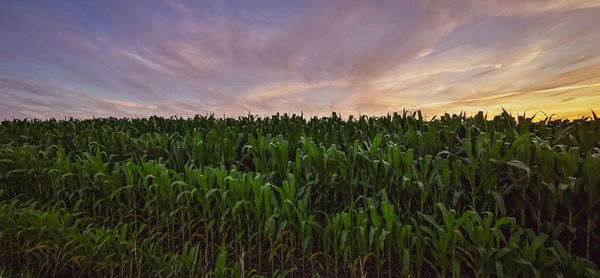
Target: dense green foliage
[286, 196]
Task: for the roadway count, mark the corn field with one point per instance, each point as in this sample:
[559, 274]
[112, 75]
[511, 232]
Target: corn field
[286, 196]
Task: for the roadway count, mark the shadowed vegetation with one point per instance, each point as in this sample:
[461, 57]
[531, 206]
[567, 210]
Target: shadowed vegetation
[286, 196]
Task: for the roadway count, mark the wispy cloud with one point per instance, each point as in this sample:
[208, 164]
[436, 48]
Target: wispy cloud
[129, 104]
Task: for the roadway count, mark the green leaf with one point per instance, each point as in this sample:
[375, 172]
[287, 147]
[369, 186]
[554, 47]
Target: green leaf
[499, 202]
[539, 241]
[499, 270]
[376, 143]
[519, 165]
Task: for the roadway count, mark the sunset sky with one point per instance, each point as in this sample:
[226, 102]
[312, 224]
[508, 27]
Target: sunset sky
[128, 58]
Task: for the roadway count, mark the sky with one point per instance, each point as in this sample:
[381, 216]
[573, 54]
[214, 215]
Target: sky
[126, 58]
